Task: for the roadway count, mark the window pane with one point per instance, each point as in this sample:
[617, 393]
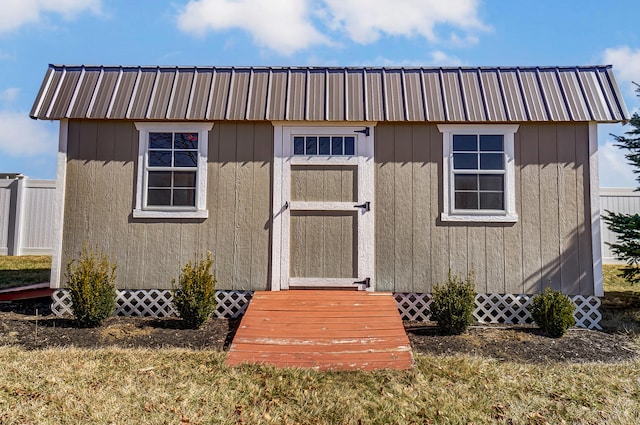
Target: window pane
[298, 145]
[325, 145]
[349, 145]
[492, 200]
[466, 200]
[160, 140]
[184, 197]
[466, 182]
[336, 146]
[159, 178]
[312, 146]
[186, 141]
[184, 179]
[186, 159]
[491, 142]
[492, 182]
[491, 161]
[465, 142]
[159, 197]
[159, 158]
[465, 161]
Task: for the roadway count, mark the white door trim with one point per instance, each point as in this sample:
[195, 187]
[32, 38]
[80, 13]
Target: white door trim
[282, 205]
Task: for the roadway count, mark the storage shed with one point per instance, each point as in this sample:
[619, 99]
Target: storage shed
[377, 179]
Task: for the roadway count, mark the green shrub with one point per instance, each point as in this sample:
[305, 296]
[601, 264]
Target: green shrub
[194, 297]
[453, 304]
[553, 312]
[90, 279]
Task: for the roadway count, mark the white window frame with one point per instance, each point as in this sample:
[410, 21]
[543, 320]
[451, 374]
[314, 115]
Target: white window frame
[200, 210]
[509, 214]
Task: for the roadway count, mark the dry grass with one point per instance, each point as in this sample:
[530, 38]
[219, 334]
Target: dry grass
[70, 386]
[24, 270]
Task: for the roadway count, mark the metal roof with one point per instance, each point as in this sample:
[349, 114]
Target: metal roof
[503, 94]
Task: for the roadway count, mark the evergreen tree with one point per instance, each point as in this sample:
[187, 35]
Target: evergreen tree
[627, 226]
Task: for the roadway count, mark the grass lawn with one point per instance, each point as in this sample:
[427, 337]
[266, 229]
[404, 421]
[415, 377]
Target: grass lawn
[69, 386]
[24, 270]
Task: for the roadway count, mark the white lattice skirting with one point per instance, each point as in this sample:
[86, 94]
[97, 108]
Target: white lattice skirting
[155, 303]
[490, 308]
[500, 308]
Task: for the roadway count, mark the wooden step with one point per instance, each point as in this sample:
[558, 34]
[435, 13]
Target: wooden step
[322, 329]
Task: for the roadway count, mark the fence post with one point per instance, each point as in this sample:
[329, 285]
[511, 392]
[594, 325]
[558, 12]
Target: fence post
[15, 246]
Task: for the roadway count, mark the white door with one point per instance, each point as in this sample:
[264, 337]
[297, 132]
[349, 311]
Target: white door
[323, 215]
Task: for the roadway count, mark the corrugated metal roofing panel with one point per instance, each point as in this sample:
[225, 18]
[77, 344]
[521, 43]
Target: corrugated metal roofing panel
[493, 99]
[354, 92]
[374, 107]
[257, 99]
[200, 96]
[513, 101]
[277, 95]
[162, 93]
[434, 101]
[142, 93]
[335, 95]
[532, 95]
[454, 103]
[296, 95]
[316, 92]
[332, 94]
[472, 95]
[179, 101]
[102, 98]
[66, 88]
[219, 97]
[413, 95]
[122, 97]
[554, 97]
[394, 95]
[594, 95]
[238, 92]
[84, 93]
[573, 95]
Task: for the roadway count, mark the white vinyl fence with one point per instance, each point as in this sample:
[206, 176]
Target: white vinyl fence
[26, 215]
[619, 200]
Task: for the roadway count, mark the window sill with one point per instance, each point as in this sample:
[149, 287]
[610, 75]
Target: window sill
[480, 218]
[138, 213]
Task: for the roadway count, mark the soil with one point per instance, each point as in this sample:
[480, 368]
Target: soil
[21, 326]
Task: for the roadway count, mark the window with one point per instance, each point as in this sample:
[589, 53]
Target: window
[172, 170]
[324, 145]
[478, 173]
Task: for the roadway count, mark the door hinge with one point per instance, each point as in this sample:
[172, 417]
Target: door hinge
[366, 282]
[364, 131]
[365, 206]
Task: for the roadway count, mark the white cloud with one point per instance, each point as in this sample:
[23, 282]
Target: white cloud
[440, 58]
[626, 64]
[287, 26]
[281, 25]
[367, 20]
[22, 136]
[16, 13]
[614, 169]
[9, 95]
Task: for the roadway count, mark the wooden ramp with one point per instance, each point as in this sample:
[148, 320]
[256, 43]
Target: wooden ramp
[325, 330]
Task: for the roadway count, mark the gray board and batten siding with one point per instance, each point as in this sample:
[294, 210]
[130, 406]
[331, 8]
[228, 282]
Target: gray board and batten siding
[550, 242]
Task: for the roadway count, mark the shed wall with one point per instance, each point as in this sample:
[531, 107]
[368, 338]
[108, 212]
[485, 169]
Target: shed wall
[100, 196]
[551, 242]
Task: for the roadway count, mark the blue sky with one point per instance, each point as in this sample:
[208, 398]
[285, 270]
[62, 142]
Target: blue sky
[34, 33]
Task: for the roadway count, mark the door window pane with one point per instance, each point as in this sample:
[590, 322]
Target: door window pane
[349, 145]
[325, 145]
[336, 146]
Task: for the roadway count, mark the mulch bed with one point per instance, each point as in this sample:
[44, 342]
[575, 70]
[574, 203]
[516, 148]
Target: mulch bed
[20, 326]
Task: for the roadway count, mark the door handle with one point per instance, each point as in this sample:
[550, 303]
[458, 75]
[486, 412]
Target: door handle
[365, 206]
[366, 282]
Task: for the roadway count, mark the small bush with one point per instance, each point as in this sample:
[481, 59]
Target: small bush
[194, 297]
[453, 304]
[553, 312]
[90, 280]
